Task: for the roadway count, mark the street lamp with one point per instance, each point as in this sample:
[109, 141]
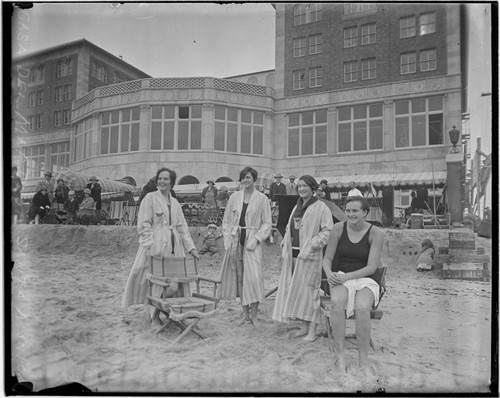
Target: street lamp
[454, 136]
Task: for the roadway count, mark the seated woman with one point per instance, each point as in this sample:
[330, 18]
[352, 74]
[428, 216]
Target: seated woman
[163, 233]
[425, 259]
[351, 259]
[40, 204]
[306, 234]
[86, 211]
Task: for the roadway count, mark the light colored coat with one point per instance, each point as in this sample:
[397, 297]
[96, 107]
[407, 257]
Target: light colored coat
[258, 225]
[292, 189]
[156, 230]
[298, 294]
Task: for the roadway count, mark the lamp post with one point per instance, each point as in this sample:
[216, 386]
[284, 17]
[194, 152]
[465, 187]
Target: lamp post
[454, 136]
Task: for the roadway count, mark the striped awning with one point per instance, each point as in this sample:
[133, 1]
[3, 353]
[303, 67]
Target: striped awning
[426, 178]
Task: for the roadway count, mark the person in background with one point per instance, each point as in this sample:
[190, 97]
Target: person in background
[209, 245]
[72, 207]
[16, 187]
[277, 188]
[246, 225]
[222, 197]
[95, 192]
[61, 192]
[209, 194]
[291, 187]
[151, 187]
[306, 234]
[353, 190]
[425, 259]
[40, 204]
[324, 187]
[47, 182]
[88, 202]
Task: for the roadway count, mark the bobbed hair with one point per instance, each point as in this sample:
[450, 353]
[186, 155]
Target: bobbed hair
[173, 176]
[364, 203]
[310, 180]
[250, 170]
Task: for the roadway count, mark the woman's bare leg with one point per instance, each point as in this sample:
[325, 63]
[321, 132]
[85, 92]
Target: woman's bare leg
[338, 298]
[363, 304]
[311, 335]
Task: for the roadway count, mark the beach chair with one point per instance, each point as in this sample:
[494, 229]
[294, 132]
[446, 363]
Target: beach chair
[374, 313]
[130, 215]
[184, 312]
[117, 210]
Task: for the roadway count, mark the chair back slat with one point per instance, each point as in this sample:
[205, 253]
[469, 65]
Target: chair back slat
[179, 269]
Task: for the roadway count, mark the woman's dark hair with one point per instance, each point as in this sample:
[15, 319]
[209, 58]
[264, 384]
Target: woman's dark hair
[250, 170]
[427, 243]
[311, 181]
[173, 176]
[364, 203]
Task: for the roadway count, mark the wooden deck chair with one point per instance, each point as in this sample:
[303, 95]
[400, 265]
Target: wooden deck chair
[179, 310]
[117, 210]
[374, 313]
[130, 215]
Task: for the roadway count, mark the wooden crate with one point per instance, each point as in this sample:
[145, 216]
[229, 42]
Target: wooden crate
[472, 271]
[464, 240]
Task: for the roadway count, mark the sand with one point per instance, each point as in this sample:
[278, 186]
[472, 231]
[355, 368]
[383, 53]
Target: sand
[68, 325]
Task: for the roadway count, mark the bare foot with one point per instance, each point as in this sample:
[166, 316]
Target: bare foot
[240, 322]
[310, 338]
[301, 332]
[367, 369]
[255, 321]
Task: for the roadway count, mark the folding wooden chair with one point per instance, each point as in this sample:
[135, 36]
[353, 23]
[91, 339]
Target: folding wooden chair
[117, 210]
[374, 313]
[165, 270]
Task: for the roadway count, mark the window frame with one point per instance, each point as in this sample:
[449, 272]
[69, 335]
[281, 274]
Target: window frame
[431, 23]
[299, 50]
[297, 77]
[58, 118]
[314, 126]
[369, 34]
[363, 69]
[406, 29]
[403, 64]
[315, 78]
[307, 13]
[317, 45]
[429, 60]
[351, 71]
[352, 40]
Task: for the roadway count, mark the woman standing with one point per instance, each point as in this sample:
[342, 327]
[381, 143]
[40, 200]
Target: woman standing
[351, 259]
[246, 224]
[306, 234]
[163, 232]
[209, 194]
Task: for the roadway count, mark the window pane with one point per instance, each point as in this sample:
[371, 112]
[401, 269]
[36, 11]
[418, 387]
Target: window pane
[134, 141]
[360, 136]
[418, 130]
[105, 118]
[360, 112]
[113, 145]
[344, 137]
[320, 143]
[246, 116]
[402, 108]
[220, 113]
[104, 140]
[436, 103]
[435, 129]
[115, 117]
[344, 114]
[232, 137]
[307, 141]
[195, 135]
[258, 143]
[232, 114]
[402, 132]
[169, 112]
[418, 105]
[293, 142]
[376, 110]
[155, 135]
[183, 137]
[196, 111]
[168, 135]
[294, 119]
[183, 112]
[125, 115]
[136, 113]
[246, 138]
[321, 116]
[307, 118]
[258, 118]
[125, 138]
[376, 134]
[219, 136]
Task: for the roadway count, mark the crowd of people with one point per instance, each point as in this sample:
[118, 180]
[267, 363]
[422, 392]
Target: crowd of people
[347, 252]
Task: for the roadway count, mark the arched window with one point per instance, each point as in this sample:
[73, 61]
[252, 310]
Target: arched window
[270, 80]
[188, 180]
[252, 80]
[103, 74]
[33, 74]
[118, 78]
[93, 69]
[69, 66]
[40, 74]
[60, 69]
[307, 13]
[224, 179]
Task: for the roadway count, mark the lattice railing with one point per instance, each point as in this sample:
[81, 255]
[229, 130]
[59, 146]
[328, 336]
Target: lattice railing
[189, 82]
[246, 88]
[83, 100]
[120, 88]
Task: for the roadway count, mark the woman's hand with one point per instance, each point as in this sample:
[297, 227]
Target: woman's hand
[195, 254]
[252, 244]
[337, 278]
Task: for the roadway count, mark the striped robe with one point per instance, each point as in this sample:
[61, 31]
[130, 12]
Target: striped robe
[156, 234]
[298, 295]
[258, 224]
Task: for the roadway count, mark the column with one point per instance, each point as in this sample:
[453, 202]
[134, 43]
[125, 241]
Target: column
[268, 147]
[454, 185]
[96, 133]
[388, 115]
[331, 130]
[207, 127]
[144, 128]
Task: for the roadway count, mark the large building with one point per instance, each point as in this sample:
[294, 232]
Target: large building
[364, 92]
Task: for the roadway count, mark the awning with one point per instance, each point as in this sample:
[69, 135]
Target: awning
[195, 189]
[397, 180]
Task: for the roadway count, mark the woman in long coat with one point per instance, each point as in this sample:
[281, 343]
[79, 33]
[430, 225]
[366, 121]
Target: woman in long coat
[246, 224]
[306, 234]
[163, 232]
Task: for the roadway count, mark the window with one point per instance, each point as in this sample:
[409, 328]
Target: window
[64, 67]
[351, 37]
[350, 71]
[360, 128]
[57, 118]
[34, 161]
[30, 122]
[94, 68]
[428, 60]
[315, 77]
[37, 74]
[368, 68]
[39, 97]
[307, 133]
[33, 74]
[83, 137]
[307, 13]
[299, 47]
[419, 122]
[299, 79]
[59, 156]
[67, 92]
[407, 27]
[427, 23]
[252, 132]
[176, 127]
[315, 44]
[352, 8]
[31, 99]
[118, 78]
[66, 116]
[59, 94]
[408, 63]
[102, 74]
[120, 131]
[226, 129]
[38, 122]
[368, 34]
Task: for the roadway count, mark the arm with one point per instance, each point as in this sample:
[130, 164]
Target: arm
[331, 249]
[145, 222]
[326, 225]
[266, 222]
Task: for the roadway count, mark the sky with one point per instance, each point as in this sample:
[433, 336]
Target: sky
[162, 39]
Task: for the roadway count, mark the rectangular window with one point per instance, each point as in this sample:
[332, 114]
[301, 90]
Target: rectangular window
[427, 23]
[57, 118]
[39, 97]
[38, 121]
[299, 47]
[83, 139]
[120, 131]
[66, 114]
[33, 164]
[428, 60]
[368, 69]
[408, 63]
[350, 71]
[351, 37]
[31, 99]
[59, 94]
[315, 77]
[352, 8]
[407, 27]
[315, 44]
[368, 34]
[307, 133]
[67, 92]
[419, 122]
[299, 79]
[360, 128]
[59, 156]
[30, 122]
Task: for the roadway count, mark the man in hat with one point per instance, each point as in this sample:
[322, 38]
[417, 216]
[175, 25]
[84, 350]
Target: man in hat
[209, 194]
[277, 188]
[323, 185]
[291, 187]
[48, 184]
[95, 192]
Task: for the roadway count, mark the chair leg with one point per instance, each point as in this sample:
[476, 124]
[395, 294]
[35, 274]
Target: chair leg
[329, 333]
[164, 326]
[186, 331]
